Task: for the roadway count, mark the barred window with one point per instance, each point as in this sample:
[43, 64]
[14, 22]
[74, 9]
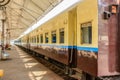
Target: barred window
[53, 36]
[27, 40]
[31, 39]
[86, 32]
[37, 38]
[46, 38]
[41, 38]
[61, 32]
[34, 39]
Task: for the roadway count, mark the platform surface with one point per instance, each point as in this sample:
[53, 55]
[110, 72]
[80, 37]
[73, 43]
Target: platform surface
[21, 66]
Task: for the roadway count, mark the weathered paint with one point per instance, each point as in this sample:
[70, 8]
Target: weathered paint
[118, 42]
[87, 11]
[103, 59]
[58, 54]
[107, 46]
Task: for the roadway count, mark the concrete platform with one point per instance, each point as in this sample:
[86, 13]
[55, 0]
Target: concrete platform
[21, 66]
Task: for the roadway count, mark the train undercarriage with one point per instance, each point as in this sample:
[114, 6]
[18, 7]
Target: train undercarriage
[72, 72]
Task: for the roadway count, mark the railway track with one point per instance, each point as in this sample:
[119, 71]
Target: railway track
[55, 69]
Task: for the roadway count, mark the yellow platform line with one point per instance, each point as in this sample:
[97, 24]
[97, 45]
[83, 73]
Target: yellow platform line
[1, 73]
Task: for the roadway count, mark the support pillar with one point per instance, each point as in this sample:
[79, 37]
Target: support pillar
[3, 20]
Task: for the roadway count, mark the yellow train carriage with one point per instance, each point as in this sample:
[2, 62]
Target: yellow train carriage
[87, 36]
[61, 37]
[77, 39]
[51, 36]
[73, 32]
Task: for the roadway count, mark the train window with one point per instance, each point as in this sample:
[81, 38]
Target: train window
[46, 37]
[27, 40]
[37, 38]
[86, 32]
[53, 36]
[34, 39]
[31, 40]
[61, 35]
[41, 38]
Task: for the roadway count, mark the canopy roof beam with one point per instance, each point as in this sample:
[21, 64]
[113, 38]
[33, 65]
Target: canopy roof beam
[51, 4]
[37, 6]
[29, 14]
[25, 8]
[19, 15]
[24, 23]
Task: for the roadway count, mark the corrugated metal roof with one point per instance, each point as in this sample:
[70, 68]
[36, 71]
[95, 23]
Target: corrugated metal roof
[23, 13]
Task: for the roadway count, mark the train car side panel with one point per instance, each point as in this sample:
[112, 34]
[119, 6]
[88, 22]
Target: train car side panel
[87, 36]
[54, 50]
[72, 37]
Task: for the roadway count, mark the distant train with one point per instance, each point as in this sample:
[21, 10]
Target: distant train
[85, 37]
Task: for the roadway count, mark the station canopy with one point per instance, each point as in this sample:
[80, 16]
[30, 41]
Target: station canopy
[21, 14]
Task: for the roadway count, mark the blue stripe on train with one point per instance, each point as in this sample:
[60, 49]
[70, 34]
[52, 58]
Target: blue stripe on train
[91, 49]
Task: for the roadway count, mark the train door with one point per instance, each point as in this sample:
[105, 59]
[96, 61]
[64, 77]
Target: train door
[72, 38]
